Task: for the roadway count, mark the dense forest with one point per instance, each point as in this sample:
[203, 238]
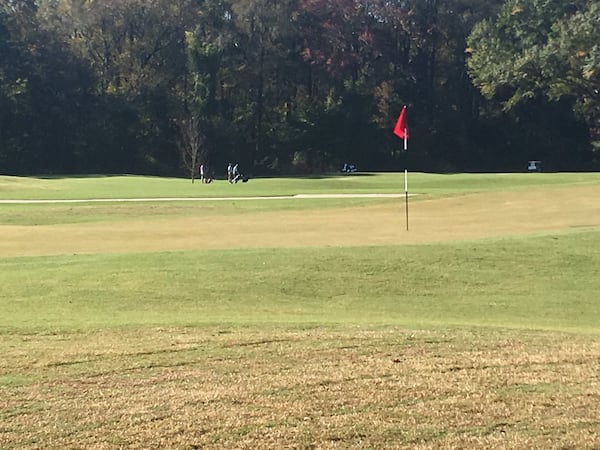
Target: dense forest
[297, 86]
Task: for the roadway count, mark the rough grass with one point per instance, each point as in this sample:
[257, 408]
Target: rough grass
[313, 388]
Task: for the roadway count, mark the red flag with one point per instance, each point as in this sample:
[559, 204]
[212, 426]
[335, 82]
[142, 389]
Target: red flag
[401, 128]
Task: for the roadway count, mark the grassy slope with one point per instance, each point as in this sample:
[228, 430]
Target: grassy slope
[546, 282]
[541, 283]
[447, 345]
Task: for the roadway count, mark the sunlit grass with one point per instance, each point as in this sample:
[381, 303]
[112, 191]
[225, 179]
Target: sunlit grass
[262, 387]
[60, 213]
[537, 283]
[149, 187]
[467, 340]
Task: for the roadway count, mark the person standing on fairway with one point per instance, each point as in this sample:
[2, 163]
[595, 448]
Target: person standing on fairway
[230, 173]
[235, 174]
[202, 173]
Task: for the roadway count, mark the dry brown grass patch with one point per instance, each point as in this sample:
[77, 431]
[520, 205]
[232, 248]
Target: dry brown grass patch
[187, 388]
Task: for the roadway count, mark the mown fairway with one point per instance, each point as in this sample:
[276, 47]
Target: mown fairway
[301, 322]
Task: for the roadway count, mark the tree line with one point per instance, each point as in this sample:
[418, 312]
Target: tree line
[297, 86]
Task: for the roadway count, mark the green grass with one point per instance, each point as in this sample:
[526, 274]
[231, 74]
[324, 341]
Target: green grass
[144, 187]
[537, 283]
[547, 282]
[60, 213]
[490, 343]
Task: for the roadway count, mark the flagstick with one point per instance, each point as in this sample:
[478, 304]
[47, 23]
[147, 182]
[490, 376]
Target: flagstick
[406, 195]
[401, 130]
[406, 178]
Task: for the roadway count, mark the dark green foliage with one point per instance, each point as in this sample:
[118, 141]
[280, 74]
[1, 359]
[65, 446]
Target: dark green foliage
[296, 86]
[540, 60]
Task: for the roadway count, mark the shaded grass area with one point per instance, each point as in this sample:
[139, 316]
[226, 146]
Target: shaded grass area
[326, 388]
[538, 283]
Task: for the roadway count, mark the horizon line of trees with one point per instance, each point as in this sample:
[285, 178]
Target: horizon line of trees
[297, 86]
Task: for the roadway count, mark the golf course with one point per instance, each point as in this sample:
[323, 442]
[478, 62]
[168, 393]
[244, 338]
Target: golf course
[303, 312]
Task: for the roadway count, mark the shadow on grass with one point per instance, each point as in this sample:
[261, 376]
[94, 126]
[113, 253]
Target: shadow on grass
[92, 175]
[321, 176]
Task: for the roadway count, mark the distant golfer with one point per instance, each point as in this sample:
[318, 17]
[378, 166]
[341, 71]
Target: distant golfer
[230, 173]
[235, 173]
[202, 173]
